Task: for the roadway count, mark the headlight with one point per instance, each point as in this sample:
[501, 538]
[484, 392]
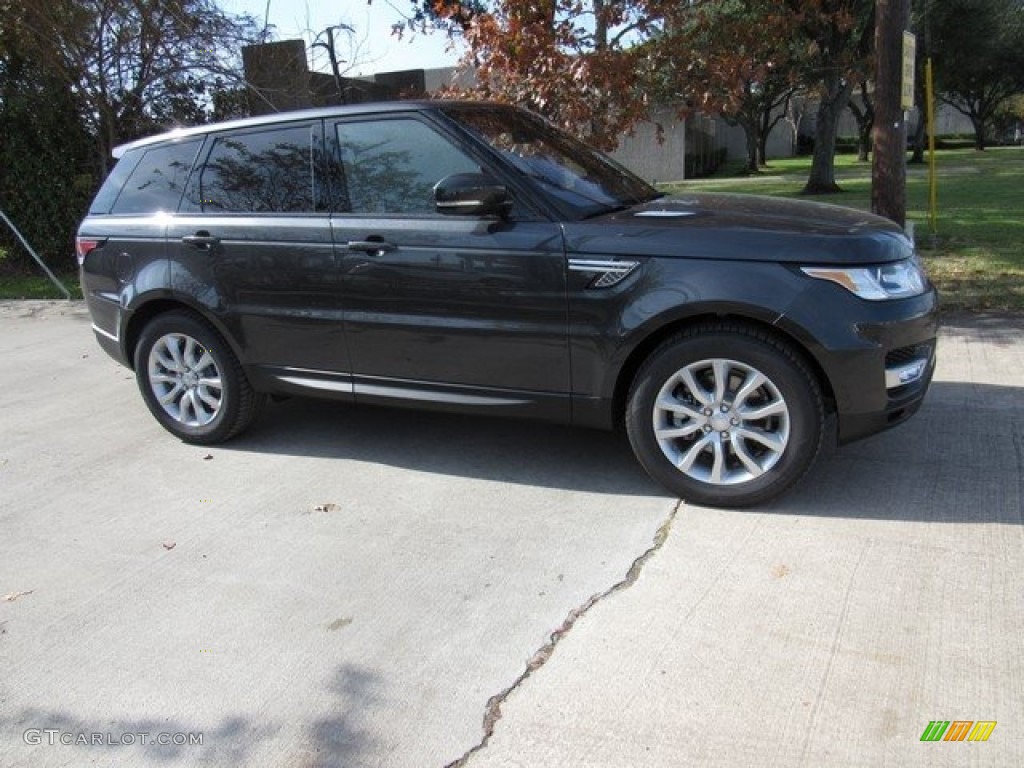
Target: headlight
[898, 280]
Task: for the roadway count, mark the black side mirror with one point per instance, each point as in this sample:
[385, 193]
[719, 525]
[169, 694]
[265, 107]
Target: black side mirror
[471, 194]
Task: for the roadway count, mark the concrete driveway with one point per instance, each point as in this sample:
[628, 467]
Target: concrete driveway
[360, 587]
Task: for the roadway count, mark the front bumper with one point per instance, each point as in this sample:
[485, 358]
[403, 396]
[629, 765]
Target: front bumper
[878, 358]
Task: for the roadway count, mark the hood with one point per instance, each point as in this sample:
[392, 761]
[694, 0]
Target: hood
[743, 228]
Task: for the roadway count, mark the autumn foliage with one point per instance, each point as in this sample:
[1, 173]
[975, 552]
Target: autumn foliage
[577, 63]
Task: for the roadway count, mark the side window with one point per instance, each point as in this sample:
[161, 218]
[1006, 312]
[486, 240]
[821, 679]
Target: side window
[391, 166]
[158, 180]
[270, 171]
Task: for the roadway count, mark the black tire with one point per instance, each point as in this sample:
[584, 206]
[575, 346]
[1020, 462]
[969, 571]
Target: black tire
[732, 444]
[191, 380]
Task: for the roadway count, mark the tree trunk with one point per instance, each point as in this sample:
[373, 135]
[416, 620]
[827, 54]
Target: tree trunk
[919, 138]
[822, 179]
[863, 143]
[889, 171]
[752, 147]
[979, 133]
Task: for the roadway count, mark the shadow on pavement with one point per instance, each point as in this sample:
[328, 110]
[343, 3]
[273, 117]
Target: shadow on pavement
[502, 450]
[960, 459]
[53, 736]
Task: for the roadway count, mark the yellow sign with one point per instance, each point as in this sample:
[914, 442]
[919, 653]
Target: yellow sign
[909, 54]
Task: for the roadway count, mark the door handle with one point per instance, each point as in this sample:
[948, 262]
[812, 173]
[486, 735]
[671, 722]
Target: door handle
[372, 247]
[201, 241]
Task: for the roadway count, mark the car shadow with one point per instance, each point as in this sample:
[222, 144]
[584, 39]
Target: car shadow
[488, 448]
[959, 459]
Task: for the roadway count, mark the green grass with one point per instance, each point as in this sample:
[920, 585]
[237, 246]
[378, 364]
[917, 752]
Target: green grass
[31, 287]
[976, 255]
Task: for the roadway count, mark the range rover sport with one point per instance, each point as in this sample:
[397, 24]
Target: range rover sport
[471, 257]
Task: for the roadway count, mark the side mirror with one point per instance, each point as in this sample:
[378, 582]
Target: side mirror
[471, 194]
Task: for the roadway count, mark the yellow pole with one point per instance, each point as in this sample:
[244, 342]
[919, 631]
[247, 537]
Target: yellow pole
[933, 179]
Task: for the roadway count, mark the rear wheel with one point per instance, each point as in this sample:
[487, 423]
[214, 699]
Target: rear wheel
[191, 380]
[725, 416]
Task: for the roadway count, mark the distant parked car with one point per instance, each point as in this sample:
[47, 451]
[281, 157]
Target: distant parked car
[471, 257]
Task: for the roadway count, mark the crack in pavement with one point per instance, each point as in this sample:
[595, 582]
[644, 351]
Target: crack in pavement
[492, 713]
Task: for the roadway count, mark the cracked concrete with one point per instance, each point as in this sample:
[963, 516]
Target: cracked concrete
[492, 713]
[829, 628]
[446, 550]
[826, 629]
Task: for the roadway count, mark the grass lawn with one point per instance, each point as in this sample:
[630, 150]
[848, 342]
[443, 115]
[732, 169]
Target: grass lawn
[976, 256]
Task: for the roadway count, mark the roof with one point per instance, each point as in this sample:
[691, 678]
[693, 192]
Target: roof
[372, 108]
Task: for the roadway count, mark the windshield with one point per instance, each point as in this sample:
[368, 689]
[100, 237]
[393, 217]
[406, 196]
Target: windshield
[586, 180]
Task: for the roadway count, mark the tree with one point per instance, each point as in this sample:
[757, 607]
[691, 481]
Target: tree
[864, 113]
[46, 178]
[574, 62]
[735, 58]
[136, 65]
[978, 52]
[838, 35]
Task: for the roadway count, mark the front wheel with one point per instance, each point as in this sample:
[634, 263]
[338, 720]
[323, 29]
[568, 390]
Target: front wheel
[725, 416]
[191, 380]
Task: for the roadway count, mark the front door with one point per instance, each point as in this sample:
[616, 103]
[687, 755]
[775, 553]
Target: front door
[444, 310]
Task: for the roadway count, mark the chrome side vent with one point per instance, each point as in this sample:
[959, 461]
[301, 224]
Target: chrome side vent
[607, 272]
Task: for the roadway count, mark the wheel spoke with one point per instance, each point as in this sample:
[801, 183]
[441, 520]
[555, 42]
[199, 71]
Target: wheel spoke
[718, 468]
[754, 380]
[721, 372]
[208, 399]
[204, 362]
[669, 403]
[170, 343]
[188, 403]
[771, 440]
[673, 433]
[699, 393]
[763, 411]
[172, 394]
[685, 462]
[164, 359]
[740, 449]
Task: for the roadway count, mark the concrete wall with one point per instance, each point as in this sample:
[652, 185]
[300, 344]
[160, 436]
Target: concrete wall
[651, 159]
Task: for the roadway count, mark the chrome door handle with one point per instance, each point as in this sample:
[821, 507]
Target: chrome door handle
[370, 246]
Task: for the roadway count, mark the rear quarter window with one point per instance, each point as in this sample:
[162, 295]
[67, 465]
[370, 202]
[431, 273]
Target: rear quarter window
[157, 180]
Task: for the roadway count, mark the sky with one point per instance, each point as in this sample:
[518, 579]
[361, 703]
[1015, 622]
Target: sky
[373, 48]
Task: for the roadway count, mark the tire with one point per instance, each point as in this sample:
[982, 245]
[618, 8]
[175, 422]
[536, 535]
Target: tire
[725, 415]
[191, 380]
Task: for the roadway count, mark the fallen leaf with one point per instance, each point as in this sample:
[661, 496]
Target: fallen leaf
[326, 508]
[10, 597]
[168, 544]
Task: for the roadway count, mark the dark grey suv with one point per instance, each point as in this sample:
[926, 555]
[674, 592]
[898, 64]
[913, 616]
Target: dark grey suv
[470, 257]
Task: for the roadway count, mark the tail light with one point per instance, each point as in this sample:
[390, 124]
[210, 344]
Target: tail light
[86, 245]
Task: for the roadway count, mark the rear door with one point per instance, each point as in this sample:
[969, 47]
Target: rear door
[253, 245]
[444, 310]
